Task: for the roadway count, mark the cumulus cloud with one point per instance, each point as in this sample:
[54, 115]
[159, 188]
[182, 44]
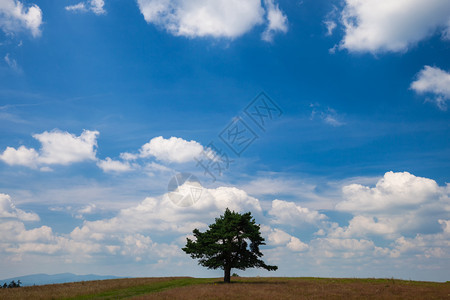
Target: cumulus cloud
[285, 212]
[64, 148]
[20, 156]
[278, 237]
[394, 190]
[169, 150]
[109, 165]
[363, 225]
[9, 210]
[88, 209]
[57, 147]
[423, 246]
[445, 225]
[162, 215]
[435, 81]
[15, 17]
[15, 238]
[129, 232]
[221, 18]
[14, 231]
[296, 245]
[392, 26]
[95, 6]
[400, 204]
[418, 228]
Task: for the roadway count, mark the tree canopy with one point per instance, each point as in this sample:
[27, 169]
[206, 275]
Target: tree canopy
[231, 242]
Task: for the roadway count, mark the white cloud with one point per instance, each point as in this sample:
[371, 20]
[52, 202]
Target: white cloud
[154, 167]
[16, 239]
[400, 204]
[139, 246]
[161, 215]
[129, 156]
[21, 156]
[436, 81]
[14, 17]
[129, 232]
[9, 210]
[392, 25]
[95, 6]
[278, 237]
[65, 148]
[57, 148]
[424, 246]
[394, 190]
[109, 165]
[296, 245]
[171, 150]
[80, 7]
[363, 225]
[88, 209]
[277, 21]
[445, 225]
[155, 229]
[285, 212]
[220, 18]
[14, 231]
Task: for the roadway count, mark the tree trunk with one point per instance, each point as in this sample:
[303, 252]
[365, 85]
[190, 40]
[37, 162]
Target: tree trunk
[227, 276]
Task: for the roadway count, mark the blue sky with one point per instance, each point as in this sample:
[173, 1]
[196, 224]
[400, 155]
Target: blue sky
[103, 102]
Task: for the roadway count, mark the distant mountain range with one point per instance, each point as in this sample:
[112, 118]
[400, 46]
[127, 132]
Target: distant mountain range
[40, 279]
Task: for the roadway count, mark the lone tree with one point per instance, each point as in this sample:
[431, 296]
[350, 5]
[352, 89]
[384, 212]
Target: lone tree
[231, 242]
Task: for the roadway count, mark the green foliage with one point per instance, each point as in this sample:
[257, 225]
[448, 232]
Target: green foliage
[231, 242]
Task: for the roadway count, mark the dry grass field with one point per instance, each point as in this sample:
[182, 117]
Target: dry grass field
[309, 288]
[241, 288]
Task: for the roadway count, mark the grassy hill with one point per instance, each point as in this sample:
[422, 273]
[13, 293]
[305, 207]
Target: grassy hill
[241, 288]
[40, 279]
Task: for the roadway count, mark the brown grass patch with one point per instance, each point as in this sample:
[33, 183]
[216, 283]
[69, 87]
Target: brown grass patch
[309, 288]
